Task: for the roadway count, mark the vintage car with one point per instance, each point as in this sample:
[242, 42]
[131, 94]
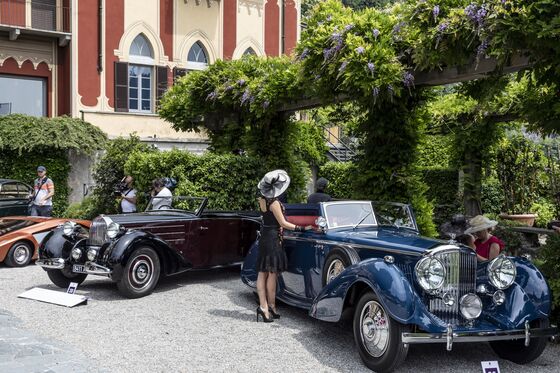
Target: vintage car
[14, 197]
[134, 250]
[368, 260]
[20, 237]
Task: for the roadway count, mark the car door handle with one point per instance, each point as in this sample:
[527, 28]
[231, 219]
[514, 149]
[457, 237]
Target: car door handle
[203, 228]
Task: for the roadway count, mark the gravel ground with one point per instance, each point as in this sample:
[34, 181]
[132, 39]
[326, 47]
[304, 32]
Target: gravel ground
[205, 321]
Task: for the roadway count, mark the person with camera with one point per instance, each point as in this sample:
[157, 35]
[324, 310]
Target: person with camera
[127, 194]
[161, 195]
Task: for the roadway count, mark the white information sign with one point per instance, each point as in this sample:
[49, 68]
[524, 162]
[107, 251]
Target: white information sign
[54, 297]
[490, 367]
[72, 288]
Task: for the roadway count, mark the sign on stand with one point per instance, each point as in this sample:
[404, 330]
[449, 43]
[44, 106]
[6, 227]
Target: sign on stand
[490, 367]
[55, 297]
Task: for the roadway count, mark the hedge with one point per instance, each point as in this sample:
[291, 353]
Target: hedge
[228, 181]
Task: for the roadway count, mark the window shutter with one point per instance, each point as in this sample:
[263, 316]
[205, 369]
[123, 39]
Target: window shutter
[161, 83]
[121, 86]
[178, 72]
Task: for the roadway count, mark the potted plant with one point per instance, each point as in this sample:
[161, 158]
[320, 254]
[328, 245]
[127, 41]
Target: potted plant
[520, 165]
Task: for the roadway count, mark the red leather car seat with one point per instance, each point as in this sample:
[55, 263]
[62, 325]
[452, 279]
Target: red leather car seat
[302, 220]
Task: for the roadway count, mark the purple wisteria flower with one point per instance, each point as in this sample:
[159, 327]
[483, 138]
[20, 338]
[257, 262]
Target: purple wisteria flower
[246, 97]
[241, 82]
[360, 50]
[375, 91]
[348, 27]
[408, 80]
[212, 96]
[390, 89]
[327, 54]
[317, 77]
[435, 12]
[470, 11]
[342, 67]
[481, 50]
[397, 28]
[228, 88]
[375, 33]
[371, 67]
[481, 15]
[304, 54]
[476, 14]
[443, 26]
[266, 104]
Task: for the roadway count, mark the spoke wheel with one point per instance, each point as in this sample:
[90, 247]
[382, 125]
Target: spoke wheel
[20, 254]
[338, 259]
[335, 268]
[377, 336]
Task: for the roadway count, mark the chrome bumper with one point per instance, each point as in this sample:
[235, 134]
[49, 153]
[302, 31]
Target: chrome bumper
[497, 335]
[54, 263]
[96, 269]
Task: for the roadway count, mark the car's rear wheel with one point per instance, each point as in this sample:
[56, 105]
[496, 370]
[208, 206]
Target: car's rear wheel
[377, 335]
[141, 273]
[19, 255]
[62, 278]
[337, 261]
[516, 350]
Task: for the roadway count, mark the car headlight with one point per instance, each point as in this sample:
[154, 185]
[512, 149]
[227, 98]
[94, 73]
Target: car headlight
[430, 273]
[92, 254]
[113, 230]
[76, 253]
[470, 306]
[68, 228]
[502, 272]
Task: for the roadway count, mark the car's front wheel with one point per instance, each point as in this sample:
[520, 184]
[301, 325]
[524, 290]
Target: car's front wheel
[377, 335]
[516, 350]
[141, 273]
[63, 278]
[19, 255]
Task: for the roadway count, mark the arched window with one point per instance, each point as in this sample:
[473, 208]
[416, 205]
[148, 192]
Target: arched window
[249, 52]
[140, 75]
[197, 59]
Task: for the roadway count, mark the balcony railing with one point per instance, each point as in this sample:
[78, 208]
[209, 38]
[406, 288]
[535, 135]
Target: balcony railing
[42, 15]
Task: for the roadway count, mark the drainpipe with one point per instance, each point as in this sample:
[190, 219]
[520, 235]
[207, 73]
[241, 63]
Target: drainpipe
[282, 30]
[99, 36]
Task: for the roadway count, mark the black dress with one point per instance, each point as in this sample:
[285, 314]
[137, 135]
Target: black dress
[272, 257]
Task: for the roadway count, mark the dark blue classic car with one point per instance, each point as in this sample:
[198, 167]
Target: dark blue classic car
[405, 288]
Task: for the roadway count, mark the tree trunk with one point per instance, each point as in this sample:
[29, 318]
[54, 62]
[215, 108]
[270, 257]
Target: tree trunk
[472, 189]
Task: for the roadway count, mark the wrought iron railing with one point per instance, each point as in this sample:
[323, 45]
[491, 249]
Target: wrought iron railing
[339, 150]
[45, 15]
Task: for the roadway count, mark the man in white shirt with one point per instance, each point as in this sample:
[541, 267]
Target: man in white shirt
[128, 197]
[161, 196]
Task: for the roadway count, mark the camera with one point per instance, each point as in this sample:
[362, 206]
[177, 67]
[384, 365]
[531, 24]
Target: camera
[120, 187]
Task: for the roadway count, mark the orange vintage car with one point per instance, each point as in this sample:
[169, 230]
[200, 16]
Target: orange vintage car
[20, 237]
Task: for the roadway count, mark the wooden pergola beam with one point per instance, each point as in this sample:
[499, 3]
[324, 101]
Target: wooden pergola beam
[432, 78]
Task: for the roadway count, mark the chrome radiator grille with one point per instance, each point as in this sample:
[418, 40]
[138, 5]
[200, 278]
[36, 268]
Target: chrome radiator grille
[98, 232]
[460, 280]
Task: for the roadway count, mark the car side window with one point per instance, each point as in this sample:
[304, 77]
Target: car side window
[23, 191]
[9, 190]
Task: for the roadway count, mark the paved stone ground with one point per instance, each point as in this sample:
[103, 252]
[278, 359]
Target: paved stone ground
[24, 351]
[194, 322]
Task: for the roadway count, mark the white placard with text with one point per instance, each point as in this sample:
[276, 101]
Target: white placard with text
[490, 367]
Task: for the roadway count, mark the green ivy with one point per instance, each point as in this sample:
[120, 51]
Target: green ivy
[341, 176]
[549, 263]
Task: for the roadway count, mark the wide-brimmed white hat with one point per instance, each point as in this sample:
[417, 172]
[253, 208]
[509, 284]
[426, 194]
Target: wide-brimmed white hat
[274, 183]
[479, 223]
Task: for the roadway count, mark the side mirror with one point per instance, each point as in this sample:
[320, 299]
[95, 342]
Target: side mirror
[321, 222]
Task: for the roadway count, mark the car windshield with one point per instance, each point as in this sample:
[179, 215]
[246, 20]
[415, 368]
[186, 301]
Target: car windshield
[349, 214]
[10, 225]
[190, 204]
[394, 214]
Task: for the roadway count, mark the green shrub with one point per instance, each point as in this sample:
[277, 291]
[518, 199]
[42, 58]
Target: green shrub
[228, 181]
[492, 198]
[87, 209]
[340, 176]
[549, 264]
[545, 210]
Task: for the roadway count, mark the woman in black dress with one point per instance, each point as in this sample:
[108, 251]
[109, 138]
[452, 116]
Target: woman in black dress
[271, 259]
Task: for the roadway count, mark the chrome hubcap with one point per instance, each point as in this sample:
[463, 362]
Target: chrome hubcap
[374, 331]
[141, 271]
[335, 268]
[21, 253]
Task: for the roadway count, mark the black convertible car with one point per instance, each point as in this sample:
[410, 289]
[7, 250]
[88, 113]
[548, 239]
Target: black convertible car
[134, 250]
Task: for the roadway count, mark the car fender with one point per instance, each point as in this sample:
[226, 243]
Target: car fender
[528, 299]
[57, 245]
[248, 269]
[120, 250]
[387, 281]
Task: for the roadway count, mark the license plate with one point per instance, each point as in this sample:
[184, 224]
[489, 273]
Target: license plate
[78, 268]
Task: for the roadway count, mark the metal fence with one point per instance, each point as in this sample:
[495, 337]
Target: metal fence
[47, 15]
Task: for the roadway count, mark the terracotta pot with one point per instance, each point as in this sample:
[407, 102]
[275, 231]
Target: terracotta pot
[525, 219]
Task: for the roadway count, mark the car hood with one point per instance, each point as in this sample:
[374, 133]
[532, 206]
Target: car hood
[145, 217]
[387, 238]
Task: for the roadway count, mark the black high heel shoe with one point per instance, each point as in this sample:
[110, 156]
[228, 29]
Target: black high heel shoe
[260, 312]
[273, 314]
